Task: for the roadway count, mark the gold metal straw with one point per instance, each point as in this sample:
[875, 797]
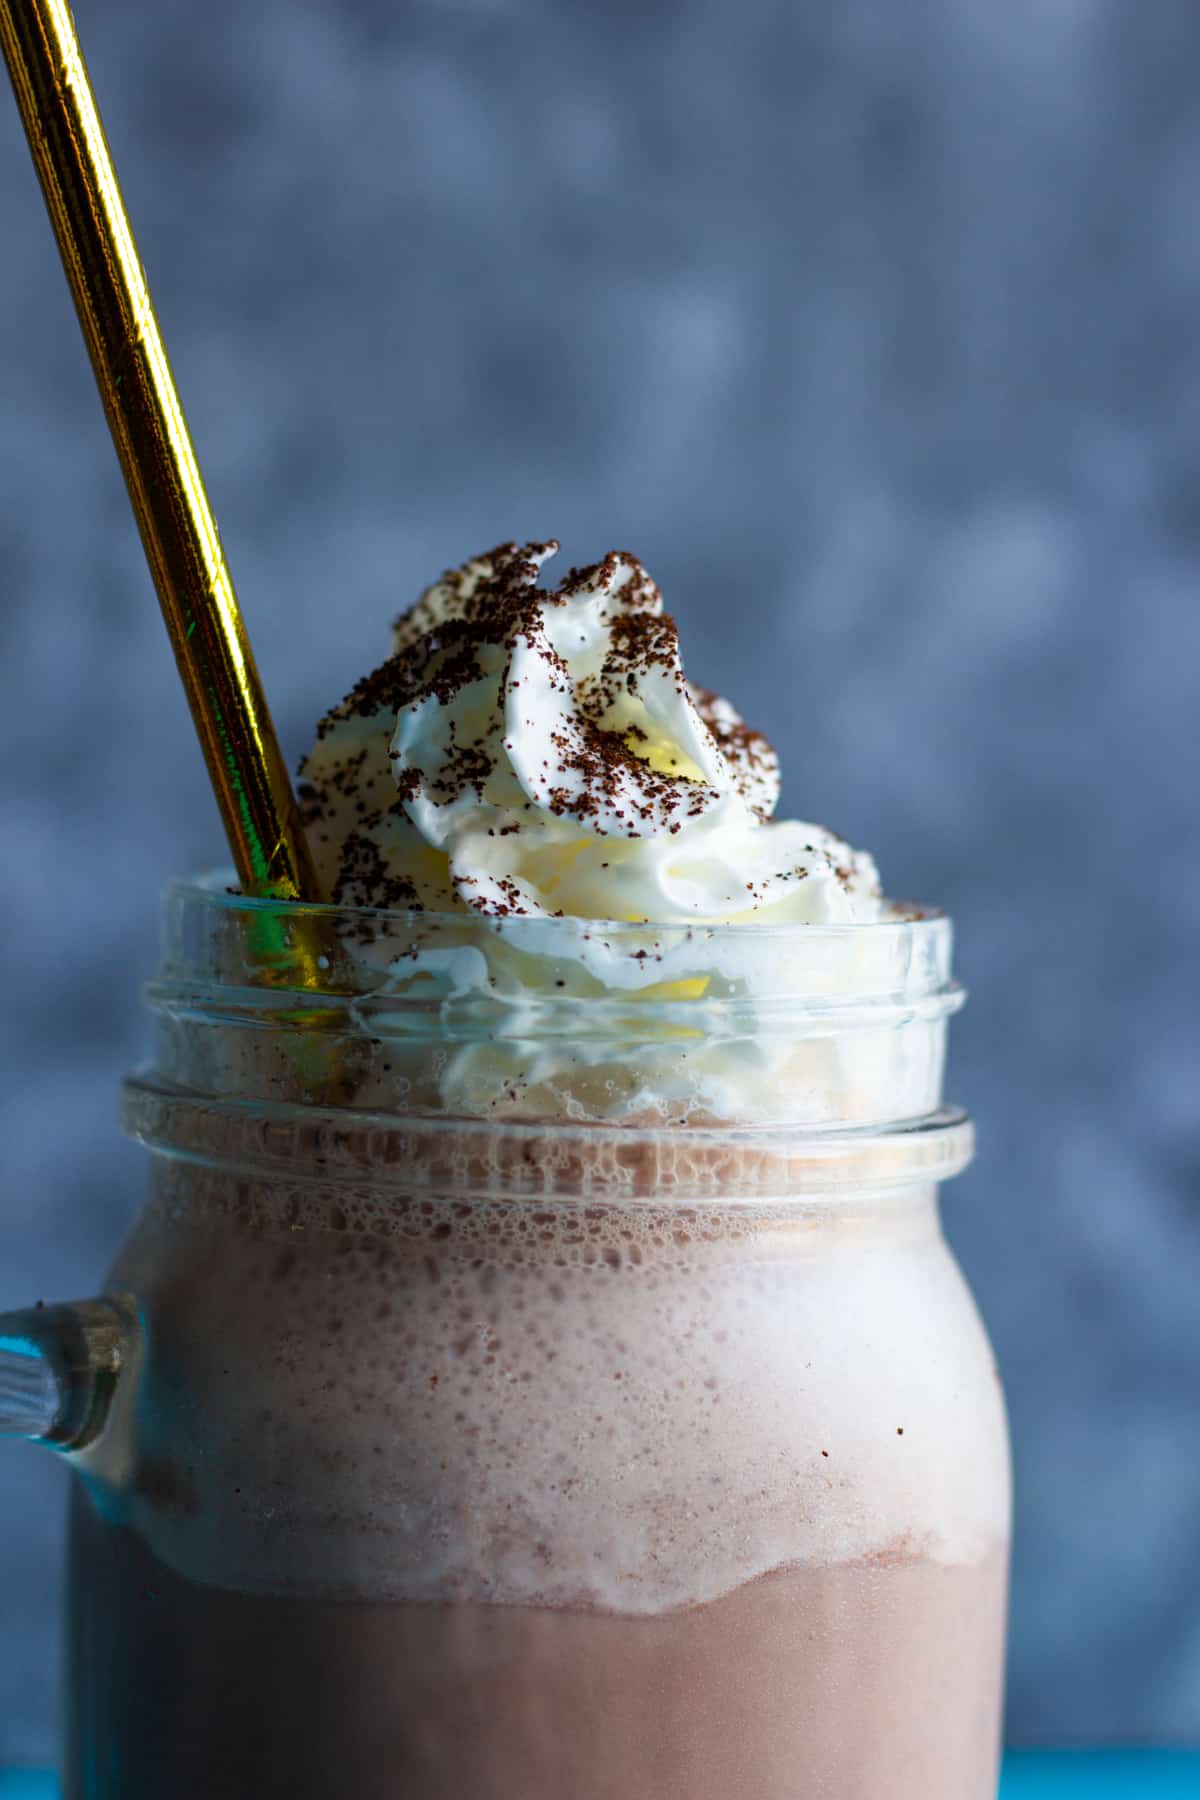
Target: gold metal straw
[178, 530]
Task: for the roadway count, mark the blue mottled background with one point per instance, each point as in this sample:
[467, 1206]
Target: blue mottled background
[875, 329]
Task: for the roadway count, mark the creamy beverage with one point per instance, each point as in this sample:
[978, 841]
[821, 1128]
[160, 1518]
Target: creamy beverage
[533, 1504]
[554, 1381]
[199, 1693]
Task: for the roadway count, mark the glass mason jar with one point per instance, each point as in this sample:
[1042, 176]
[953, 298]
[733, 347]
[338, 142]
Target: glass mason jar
[537, 1371]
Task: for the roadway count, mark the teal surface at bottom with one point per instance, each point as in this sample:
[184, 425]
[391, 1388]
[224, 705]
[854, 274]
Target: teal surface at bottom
[1098, 1775]
[1028, 1775]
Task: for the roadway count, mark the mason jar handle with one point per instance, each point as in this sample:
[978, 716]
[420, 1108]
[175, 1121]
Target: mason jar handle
[60, 1366]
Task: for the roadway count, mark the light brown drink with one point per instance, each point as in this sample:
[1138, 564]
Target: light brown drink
[876, 1680]
[436, 1497]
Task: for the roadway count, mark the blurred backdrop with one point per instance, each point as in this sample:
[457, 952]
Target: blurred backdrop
[875, 329]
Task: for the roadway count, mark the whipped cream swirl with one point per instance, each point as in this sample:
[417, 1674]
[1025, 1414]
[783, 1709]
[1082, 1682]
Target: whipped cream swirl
[526, 752]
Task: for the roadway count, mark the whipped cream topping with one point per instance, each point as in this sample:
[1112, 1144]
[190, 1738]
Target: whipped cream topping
[527, 752]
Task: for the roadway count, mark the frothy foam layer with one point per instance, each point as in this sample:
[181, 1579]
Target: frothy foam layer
[528, 752]
[635, 1409]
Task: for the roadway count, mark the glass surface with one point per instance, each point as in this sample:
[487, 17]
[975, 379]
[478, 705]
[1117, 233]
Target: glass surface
[59, 1367]
[1027, 1775]
[1099, 1774]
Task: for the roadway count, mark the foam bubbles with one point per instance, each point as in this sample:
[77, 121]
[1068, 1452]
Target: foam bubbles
[629, 1405]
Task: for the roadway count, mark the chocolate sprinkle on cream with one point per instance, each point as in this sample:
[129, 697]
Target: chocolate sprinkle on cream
[528, 751]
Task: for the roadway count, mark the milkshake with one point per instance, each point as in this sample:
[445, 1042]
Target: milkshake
[553, 1379]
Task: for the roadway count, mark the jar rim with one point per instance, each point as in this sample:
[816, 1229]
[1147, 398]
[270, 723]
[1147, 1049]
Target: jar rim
[809, 1026]
[543, 1160]
[214, 889]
